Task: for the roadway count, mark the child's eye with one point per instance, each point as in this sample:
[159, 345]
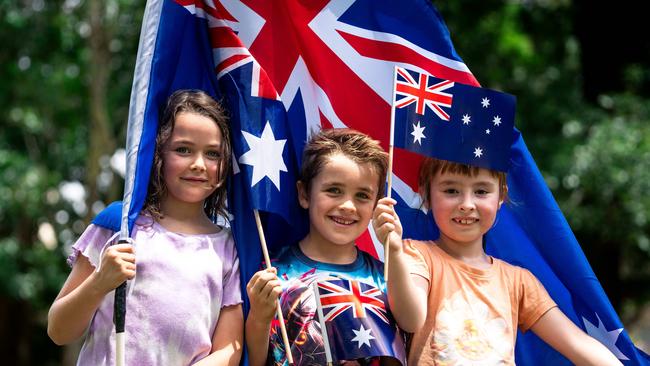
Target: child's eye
[363, 196]
[214, 155]
[482, 192]
[333, 190]
[450, 191]
[182, 150]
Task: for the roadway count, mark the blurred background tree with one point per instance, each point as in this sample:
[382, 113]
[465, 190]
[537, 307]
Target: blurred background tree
[579, 69]
[61, 122]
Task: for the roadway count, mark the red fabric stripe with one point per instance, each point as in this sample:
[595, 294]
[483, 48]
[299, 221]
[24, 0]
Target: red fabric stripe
[398, 53]
[229, 61]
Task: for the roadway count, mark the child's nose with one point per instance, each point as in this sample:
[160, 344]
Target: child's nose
[347, 205]
[198, 163]
[467, 203]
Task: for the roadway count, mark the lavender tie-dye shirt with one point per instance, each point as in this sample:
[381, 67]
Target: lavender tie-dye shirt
[182, 282]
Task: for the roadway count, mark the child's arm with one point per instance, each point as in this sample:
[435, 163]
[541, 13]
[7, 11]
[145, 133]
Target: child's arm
[227, 339]
[83, 291]
[411, 290]
[565, 337]
[263, 290]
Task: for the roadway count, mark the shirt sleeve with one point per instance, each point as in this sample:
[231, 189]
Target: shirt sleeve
[534, 300]
[231, 279]
[90, 244]
[416, 259]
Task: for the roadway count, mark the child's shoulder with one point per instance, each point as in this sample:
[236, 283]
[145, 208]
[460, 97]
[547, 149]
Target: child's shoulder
[516, 273]
[90, 244]
[422, 247]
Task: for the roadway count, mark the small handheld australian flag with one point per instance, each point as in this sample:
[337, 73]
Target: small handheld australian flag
[452, 121]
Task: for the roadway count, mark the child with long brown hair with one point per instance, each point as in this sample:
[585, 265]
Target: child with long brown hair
[185, 302]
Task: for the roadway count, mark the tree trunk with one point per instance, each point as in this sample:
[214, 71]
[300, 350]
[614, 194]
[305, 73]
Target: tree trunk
[101, 139]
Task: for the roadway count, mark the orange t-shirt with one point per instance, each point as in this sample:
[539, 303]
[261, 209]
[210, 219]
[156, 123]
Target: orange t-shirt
[472, 314]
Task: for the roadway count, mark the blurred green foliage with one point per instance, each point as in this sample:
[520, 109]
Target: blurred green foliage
[43, 144]
[594, 156]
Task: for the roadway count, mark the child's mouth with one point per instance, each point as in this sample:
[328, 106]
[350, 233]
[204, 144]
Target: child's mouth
[465, 220]
[342, 221]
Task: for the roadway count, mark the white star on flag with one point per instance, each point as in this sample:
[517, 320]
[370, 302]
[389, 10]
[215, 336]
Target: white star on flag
[607, 338]
[362, 336]
[418, 133]
[265, 156]
[497, 120]
[485, 102]
[466, 119]
[478, 152]
[487, 132]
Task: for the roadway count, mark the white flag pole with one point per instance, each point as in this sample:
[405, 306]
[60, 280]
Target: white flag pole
[278, 308]
[389, 186]
[137, 106]
[321, 320]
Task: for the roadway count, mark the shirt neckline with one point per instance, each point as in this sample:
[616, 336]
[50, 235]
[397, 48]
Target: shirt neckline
[155, 225]
[350, 267]
[471, 270]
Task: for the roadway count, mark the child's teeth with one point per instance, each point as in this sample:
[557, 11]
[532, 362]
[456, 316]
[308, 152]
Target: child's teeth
[344, 222]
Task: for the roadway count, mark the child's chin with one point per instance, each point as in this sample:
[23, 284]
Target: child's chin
[343, 241]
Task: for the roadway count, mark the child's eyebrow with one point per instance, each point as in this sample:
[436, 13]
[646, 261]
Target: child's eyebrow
[479, 183]
[190, 142]
[485, 183]
[447, 182]
[367, 189]
[340, 184]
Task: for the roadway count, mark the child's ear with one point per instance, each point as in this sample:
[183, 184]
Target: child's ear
[424, 197]
[303, 197]
[503, 195]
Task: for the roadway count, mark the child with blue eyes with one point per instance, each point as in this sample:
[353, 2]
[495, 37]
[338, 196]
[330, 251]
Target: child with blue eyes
[184, 305]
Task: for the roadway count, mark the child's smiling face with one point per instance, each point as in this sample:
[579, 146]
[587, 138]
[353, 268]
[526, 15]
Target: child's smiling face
[464, 207]
[341, 200]
[192, 159]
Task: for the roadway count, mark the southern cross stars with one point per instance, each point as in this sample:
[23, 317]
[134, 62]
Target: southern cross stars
[478, 152]
[496, 120]
[485, 102]
[265, 156]
[418, 133]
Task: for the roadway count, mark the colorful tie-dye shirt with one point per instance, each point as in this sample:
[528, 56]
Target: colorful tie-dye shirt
[297, 272]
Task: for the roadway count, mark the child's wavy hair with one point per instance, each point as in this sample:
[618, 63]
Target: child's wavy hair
[432, 166]
[356, 145]
[197, 102]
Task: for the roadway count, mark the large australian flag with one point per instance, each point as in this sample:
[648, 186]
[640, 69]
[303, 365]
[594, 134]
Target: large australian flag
[287, 68]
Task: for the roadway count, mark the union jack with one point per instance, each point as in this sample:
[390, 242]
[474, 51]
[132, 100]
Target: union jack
[422, 94]
[230, 44]
[342, 294]
[315, 57]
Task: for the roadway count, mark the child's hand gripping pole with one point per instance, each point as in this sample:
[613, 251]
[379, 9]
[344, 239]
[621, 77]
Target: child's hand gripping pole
[278, 309]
